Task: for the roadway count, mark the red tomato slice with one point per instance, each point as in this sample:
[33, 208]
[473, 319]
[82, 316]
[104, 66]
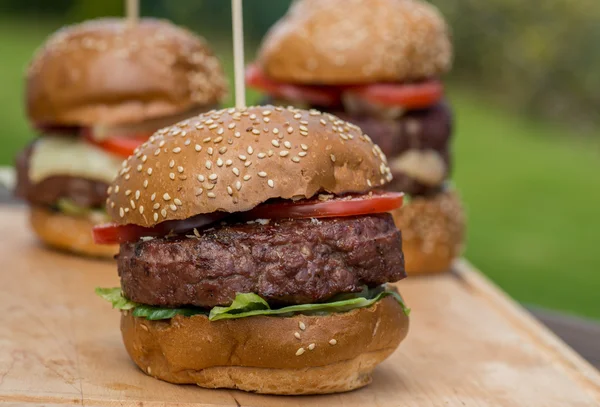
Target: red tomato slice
[310, 208]
[409, 95]
[317, 95]
[123, 146]
[335, 207]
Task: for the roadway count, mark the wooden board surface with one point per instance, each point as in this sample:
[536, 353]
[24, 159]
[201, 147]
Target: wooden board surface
[469, 345]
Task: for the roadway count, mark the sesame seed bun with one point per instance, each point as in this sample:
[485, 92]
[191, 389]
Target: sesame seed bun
[433, 230]
[105, 71]
[68, 233]
[347, 42]
[232, 160]
[334, 353]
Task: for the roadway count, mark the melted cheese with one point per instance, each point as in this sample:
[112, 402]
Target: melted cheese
[427, 166]
[54, 156]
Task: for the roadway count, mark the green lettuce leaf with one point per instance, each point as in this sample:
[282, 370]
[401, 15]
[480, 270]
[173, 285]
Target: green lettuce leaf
[248, 305]
[68, 207]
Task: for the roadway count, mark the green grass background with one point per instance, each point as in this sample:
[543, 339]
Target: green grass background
[531, 189]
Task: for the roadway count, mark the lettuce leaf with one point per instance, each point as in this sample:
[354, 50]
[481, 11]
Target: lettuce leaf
[249, 304]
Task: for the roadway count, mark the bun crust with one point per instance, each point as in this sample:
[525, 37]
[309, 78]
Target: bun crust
[261, 354]
[433, 230]
[106, 72]
[68, 233]
[346, 42]
[232, 160]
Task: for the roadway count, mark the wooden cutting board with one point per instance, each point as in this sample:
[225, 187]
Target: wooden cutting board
[469, 344]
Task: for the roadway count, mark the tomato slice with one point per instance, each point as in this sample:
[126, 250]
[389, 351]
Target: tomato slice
[409, 95]
[377, 202]
[335, 207]
[316, 95]
[123, 146]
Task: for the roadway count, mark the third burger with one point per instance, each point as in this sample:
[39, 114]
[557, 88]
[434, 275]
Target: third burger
[378, 67]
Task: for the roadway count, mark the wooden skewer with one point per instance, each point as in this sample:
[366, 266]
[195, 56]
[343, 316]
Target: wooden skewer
[238, 53]
[132, 11]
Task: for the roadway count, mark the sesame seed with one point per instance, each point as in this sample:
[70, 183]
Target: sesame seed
[149, 171]
[303, 128]
[250, 150]
[177, 150]
[211, 195]
[141, 209]
[283, 153]
[116, 189]
[255, 131]
[290, 129]
[266, 119]
[228, 162]
[180, 169]
[304, 147]
[296, 159]
[266, 113]
[198, 147]
[252, 116]
[219, 162]
[210, 187]
[213, 177]
[231, 126]
[237, 134]
[297, 335]
[275, 143]
[262, 174]
[271, 183]
[301, 325]
[369, 183]
[218, 139]
[247, 177]
[187, 142]
[200, 177]
[238, 185]
[127, 176]
[171, 163]
[178, 201]
[207, 139]
[209, 150]
[163, 212]
[172, 176]
[229, 190]
[166, 196]
[261, 155]
[332, 342]
[209, 121]
[199, 191]
[242, 157]
[156, 206]
[219, 132]
[311, 346]
[121, 212]
[304, 133]
[247, 163]
[223, 150]
[270, 153]
[139, 167]
[153, 197]
[302, 153]
[208, 164]
[213, 126]
[126, 210]
[144, 158]
[128, 192]
[236, 171]
[287, 144]
[332, 157]
[173, 207]
[297, 116]
[300, 351]
[155, 216]
[137, 194]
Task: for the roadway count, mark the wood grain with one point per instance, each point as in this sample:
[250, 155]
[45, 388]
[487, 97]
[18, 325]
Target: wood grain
[469, 344]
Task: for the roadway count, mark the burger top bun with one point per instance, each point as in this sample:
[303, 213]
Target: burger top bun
[108, 72]
[232, 160]
[356, 41]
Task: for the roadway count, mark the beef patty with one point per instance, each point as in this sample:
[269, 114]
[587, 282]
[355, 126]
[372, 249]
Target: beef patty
[82, 192]
[427, 129]
[288, 262]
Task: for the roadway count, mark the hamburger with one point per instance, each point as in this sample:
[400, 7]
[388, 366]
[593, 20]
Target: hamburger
[256, 251]
[379, 67]
[94, 92]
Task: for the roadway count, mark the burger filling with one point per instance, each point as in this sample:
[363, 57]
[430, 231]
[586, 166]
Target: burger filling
[329, 259]
[410, 122]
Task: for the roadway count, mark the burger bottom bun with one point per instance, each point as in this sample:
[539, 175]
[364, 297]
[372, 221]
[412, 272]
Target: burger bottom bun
[433, 230]
[68, 233]
[335, 353]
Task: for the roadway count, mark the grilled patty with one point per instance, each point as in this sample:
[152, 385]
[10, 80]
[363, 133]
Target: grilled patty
[288, 262]
[82, 192]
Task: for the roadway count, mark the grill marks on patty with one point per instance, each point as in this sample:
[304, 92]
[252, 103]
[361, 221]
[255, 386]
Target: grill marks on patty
[82, 192]
[291, 262]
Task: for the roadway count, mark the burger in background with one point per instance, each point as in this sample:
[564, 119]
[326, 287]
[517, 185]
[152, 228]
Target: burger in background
[95, 92]
[255, 252]
[378, 66]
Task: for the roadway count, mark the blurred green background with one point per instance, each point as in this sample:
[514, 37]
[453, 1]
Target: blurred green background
[526, 91]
